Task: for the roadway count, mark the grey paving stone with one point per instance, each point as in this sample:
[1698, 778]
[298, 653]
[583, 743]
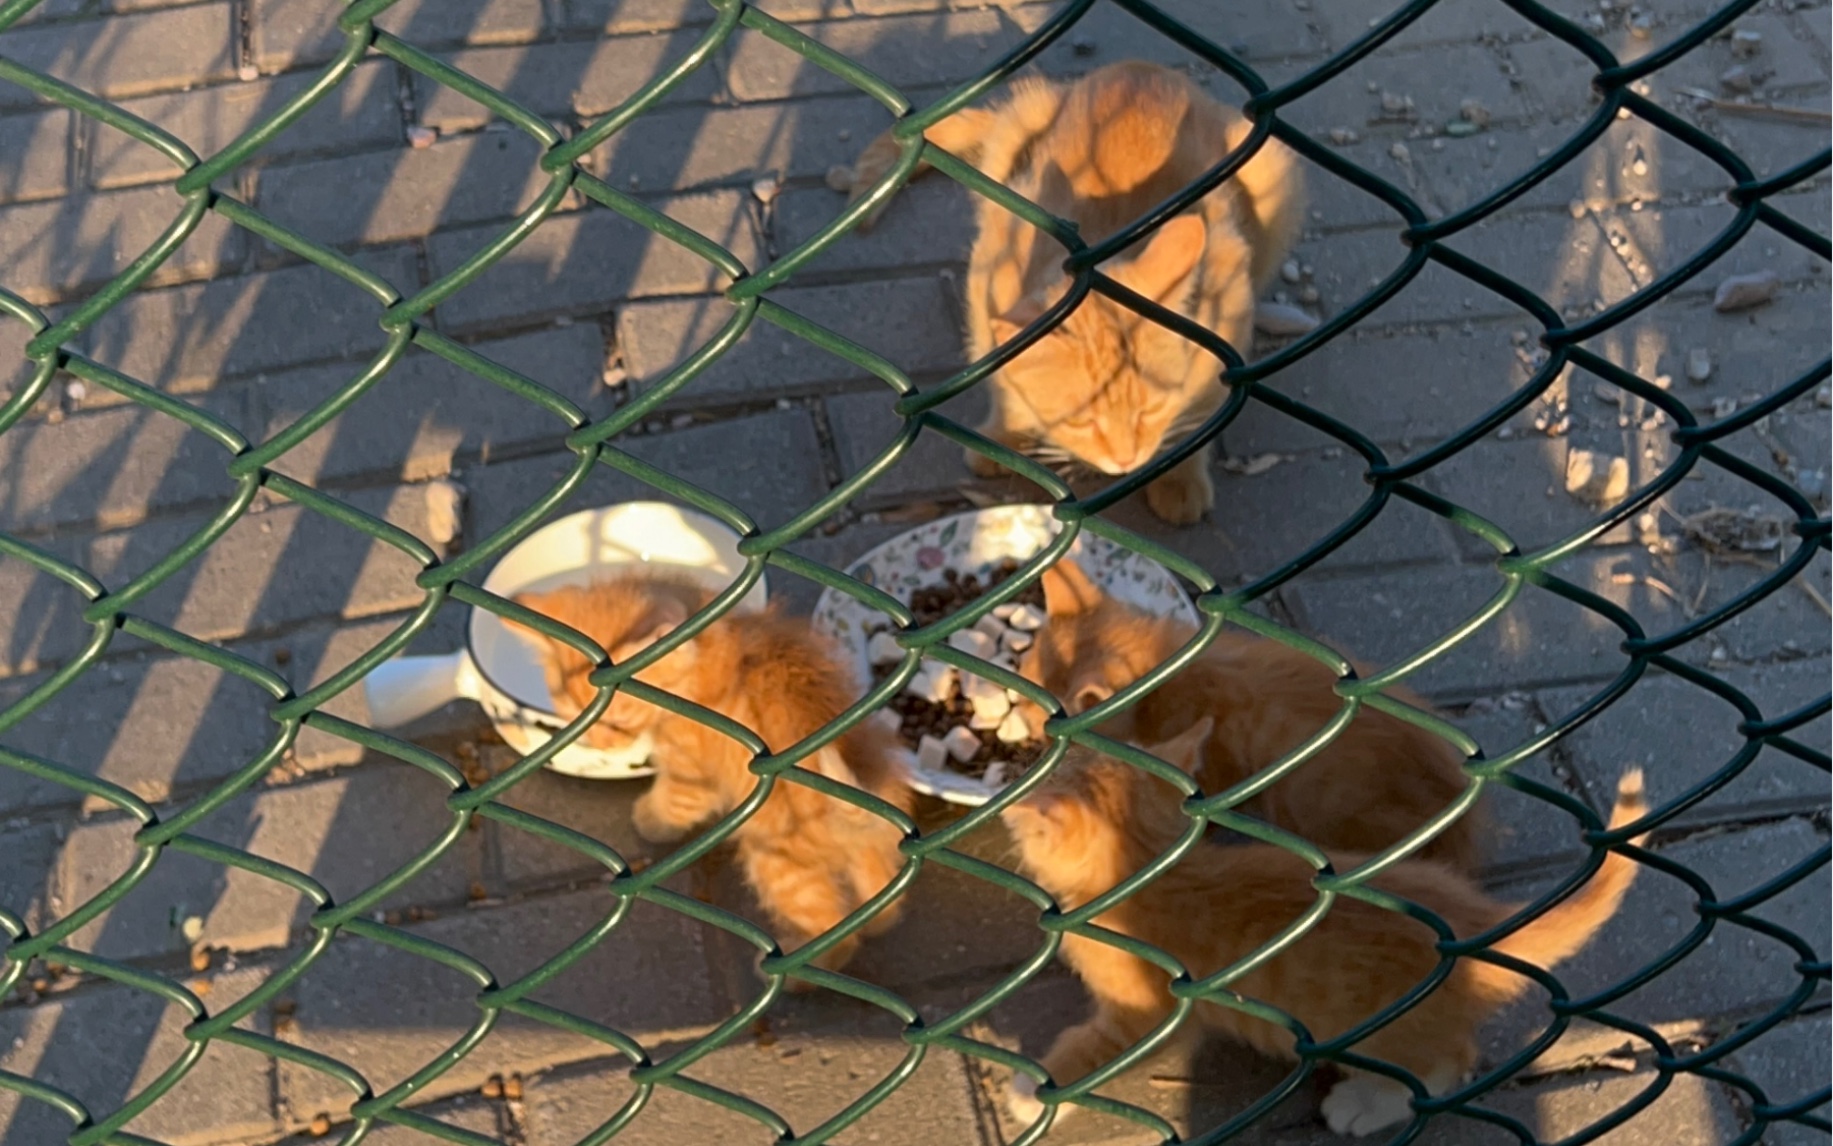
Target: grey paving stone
[837, 551]
[765, 464]
[1259, 33]
[582, 262]
[1519, 485]
[1538, 639]
[464, 1112]
[864, 425]
[1631, 161]
[56, 248]
[115, 466]
[617, 17]
[903, 50]
[106, 1043]
[1522, 829]
[1566, 262]
[684, 147]
[1453, 22]
[388, 1013]
[1681, 735]
[580, 77]
[931, 221]
[1456, 72]
[1691, 1112]
[25, 883]
[427, 414]
[922, 338]
[156, 723]
[1666, 237]
[389, 196]
[596, 808]
[127, 55]
[804, 1077]
[288, 33]
[186, 337]
[268, 569]
[1789, 1063]
[1333, 202]
[348, 832]
[360, 113]
[40, 145]
[1735, 969]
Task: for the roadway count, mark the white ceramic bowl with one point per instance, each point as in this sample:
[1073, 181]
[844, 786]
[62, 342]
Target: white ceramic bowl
[499, 669]
[976, 542]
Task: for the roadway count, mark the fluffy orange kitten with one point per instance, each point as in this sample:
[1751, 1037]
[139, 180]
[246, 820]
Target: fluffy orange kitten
[811, 859]
[1108, 388]
[1097, 821]
[1380, 779]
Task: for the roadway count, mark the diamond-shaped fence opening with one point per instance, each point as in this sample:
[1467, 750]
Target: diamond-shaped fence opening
[93, 614]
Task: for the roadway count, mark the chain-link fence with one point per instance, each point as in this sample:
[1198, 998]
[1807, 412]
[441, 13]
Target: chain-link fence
[454, 584]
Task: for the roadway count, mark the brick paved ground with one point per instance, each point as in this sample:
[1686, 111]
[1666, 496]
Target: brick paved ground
[255, 337]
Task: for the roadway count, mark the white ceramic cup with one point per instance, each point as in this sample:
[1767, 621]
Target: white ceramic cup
[498, 666]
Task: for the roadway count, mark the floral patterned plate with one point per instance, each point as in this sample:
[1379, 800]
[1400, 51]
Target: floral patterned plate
[975, 542]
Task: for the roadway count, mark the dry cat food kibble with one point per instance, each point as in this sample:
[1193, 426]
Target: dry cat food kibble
[954, 720]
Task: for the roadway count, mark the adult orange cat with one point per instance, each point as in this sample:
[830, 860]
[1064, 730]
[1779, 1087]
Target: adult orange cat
[1096, 821]
[1377, 781]
[1107, 388]
[812, 859]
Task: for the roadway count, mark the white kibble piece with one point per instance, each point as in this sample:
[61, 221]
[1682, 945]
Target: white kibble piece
[75, 391]
[995, 775]
[962, 744]
[1289, 271]
[420, 138]
[883, 649]
[1004, 612]
[1028, 618]
[766, 189]
[936, 683]
[193, 928]
[840, 178]
[973, 642]
[1013, 729]
[984, 722]
[992, 626]
[445, 511]
[1015, 641]
[1595, 477]
[992, 707]
[1742, 292]
[931, 754]
[976, 687]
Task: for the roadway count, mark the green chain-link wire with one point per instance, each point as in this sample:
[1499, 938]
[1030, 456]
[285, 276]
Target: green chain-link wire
[595, 443]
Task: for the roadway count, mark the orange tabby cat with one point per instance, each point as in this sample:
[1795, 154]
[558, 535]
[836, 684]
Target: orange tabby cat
[812, 859]
[1380, 779]
[1108, 388]
[1097, 821]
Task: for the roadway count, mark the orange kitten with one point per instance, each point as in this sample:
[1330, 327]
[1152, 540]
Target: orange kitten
[811, 859]
[1108, 388]
[1380, 779]
[1097, 821]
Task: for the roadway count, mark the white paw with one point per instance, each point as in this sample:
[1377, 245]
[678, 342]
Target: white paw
[1363, 1104]
[1021, 1100]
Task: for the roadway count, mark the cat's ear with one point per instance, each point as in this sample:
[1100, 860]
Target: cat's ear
[1068, 591]
[1170, 255]
[1087, 694]
[667, 616]
[1024, 312]
[1186, 748]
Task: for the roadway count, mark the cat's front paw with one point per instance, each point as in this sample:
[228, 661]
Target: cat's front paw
[1364, 1104]
[1021, 1100]
[1182, 496]
[653, 825]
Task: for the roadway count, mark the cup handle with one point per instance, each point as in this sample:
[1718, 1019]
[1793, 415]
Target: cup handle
[407, 688]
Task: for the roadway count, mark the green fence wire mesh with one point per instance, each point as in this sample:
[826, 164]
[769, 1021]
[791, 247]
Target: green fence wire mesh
[450, 584]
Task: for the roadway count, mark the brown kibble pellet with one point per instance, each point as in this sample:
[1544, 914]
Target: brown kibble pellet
[321, 1125]
[200, 987]
[200, 958]
[493, 1087]
[283, 656]
[512, 1088]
